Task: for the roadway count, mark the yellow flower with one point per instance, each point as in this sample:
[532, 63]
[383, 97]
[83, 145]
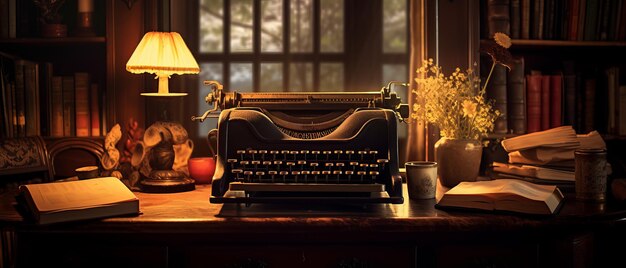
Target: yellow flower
[502, 39]
[469, 108]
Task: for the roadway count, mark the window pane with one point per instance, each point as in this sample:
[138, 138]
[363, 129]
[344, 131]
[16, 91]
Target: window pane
[301, 25]
[301, 77]
[208, 71]
[397, 72]
[331, 77]
[241, 77]
[211, 25]
[271, 77]
[394, 26]
[271, 25]
[331, 26]
[241, 25]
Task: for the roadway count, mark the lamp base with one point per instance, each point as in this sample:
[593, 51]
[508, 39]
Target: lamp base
[167, 181]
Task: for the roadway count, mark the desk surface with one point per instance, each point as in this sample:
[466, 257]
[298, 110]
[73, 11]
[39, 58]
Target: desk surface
[191, 212]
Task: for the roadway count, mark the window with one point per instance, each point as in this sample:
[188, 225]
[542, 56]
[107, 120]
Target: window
[302, 45]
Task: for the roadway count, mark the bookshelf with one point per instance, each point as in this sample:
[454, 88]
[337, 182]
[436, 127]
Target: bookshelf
[581, 44]
[578, 42]
[87, 62]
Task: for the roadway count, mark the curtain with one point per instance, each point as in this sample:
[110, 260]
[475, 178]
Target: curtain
[416, 140]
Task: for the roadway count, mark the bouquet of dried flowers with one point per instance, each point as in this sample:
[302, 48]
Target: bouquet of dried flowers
[456, 104]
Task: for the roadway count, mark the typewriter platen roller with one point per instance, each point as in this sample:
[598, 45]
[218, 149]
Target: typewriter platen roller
[310, 147]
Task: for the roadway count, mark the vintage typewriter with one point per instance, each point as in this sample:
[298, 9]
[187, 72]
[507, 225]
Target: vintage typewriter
[290, 147]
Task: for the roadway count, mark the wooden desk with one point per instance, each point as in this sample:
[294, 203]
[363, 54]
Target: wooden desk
[184, 229]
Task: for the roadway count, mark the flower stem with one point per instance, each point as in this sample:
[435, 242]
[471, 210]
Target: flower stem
[493, 65]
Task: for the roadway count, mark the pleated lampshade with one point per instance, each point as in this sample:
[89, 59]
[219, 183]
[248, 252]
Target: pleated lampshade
[163, 54]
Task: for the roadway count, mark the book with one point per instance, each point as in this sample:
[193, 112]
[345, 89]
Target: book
[557, 155]
[516, 93]
[515, 18]
[497, 90]
[95, 110]
[622, 111]
[525, 20]
[504, 195]
[556, 100]
[498, 17]
[563, 136]
[69, 108]
[545, 102]
[81, 101]
[56, 107]
[539, 172]
[533, 103]
[78, 200]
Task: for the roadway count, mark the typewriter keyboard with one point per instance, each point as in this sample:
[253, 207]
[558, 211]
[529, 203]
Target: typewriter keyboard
[306, 166]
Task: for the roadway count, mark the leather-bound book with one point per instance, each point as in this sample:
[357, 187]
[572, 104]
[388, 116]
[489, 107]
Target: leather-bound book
[556, 100]
[81, 89]
[498, 17]
[545, 102]
[537, 20]
[515, 16]
[496, 90]
[589, 105]
[516, 94]
[569, 92]
[525, 19]
[533, 100]
[572, 20]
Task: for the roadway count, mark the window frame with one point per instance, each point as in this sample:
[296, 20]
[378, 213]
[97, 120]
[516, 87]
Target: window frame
[362, 59]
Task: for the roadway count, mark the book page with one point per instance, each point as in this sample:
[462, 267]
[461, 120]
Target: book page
[503, 186]
[59, 196]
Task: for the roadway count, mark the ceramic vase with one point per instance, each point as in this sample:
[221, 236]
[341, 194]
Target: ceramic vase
[458, 160]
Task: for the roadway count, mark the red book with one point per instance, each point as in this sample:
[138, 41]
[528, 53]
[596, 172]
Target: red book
[556, 100]
[545, 102]
[573, 20]
[533, 100]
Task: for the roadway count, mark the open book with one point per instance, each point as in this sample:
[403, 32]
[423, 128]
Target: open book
[504, 195]
[78, 200]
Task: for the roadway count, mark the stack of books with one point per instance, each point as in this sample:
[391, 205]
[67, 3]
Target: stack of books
[546, 156]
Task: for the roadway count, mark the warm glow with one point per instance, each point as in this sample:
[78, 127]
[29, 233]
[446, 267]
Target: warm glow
[163, 54]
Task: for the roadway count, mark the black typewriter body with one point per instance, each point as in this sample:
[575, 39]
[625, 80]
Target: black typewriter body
[285, 148]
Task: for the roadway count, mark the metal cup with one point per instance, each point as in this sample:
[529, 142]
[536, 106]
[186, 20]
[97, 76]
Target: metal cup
[421, 177]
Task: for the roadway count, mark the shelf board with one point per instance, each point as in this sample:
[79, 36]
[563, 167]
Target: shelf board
[54, 41]
[564, 43]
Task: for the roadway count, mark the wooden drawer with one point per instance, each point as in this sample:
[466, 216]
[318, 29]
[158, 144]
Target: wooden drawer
[282, 255]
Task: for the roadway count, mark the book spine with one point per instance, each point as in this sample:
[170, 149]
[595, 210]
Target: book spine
[622, 110]
[591, 20]
[582, 17]
[19, 98]
[45, 97]
[525, 20]
[31, 89]
[556, 99]
[621, 35]
[574, 6]
[81, 89]
[549, 17]
[545, 102]
[95, 110]
[589, 105]
[570, 99]
[498, 17]
[612, 88]
[496, 90]
[69, 116]
[56, 107]
[4, 19]
[12, 18]
[516, 94]
[533, 98]
[515, 19]
[613, 22]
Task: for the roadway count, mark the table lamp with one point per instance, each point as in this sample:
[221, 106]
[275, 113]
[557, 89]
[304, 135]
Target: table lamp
[163, 54]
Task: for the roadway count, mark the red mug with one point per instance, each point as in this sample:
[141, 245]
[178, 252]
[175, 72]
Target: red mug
[201, 169]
